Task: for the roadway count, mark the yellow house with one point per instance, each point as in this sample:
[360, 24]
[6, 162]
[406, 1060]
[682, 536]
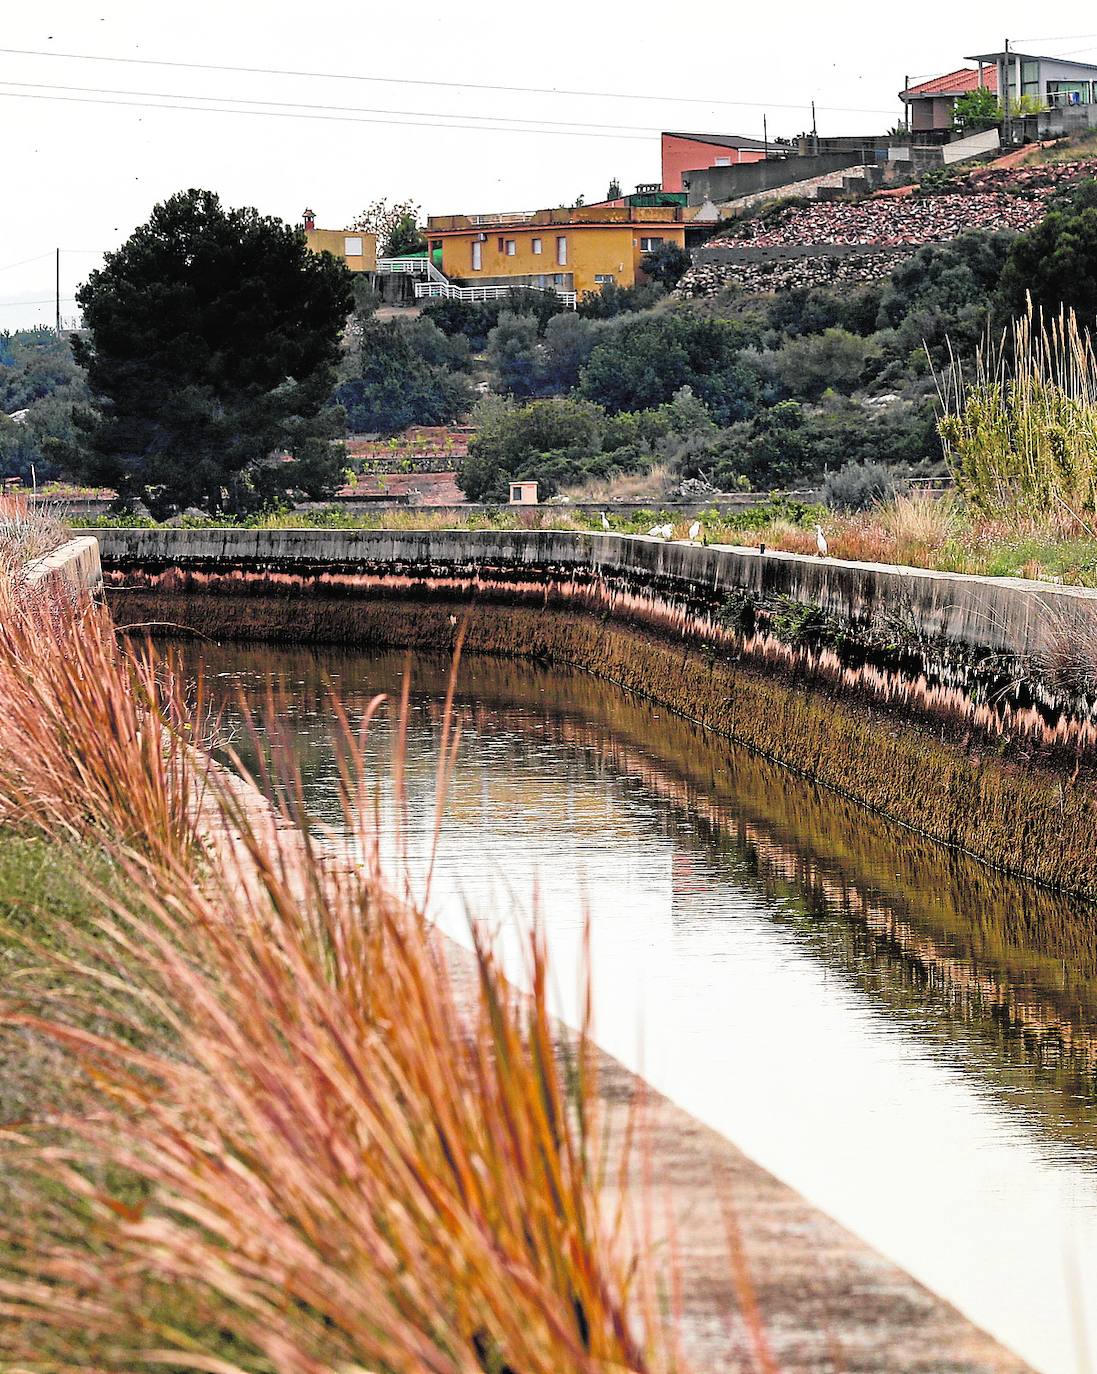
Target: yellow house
[356, 247]
[569, 250]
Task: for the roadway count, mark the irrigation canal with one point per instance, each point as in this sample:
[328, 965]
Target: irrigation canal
[906, 1038]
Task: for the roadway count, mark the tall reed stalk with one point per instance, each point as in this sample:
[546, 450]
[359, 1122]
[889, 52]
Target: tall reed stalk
[304, 1144]
[1021, 433]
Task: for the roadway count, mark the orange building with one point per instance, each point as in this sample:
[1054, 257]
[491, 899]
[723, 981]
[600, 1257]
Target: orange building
[697, 152]
[571, 251]
[356, 247]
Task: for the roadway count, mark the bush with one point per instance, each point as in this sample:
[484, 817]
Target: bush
[396, 386]
[512, 441]
[666, 264]
[834, 360]
[1055, 263]
[943, 291]
[791, 445]
[858, 485]
[514, 355]
[613, 300]
[476, 319]
[38, 374]
[641, 363]
[1021, 436]
[569, 340]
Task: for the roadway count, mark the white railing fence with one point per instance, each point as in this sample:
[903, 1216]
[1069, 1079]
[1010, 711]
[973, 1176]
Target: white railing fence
[407, 267]
[443, 288]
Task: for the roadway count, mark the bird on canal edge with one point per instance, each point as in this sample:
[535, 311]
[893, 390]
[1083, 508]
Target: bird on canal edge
[605, 522]
[695, 531]
[661, 531]
[821, 541]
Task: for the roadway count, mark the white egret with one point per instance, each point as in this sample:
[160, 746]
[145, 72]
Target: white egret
[605, 522]
[821, 541]
[695, 530]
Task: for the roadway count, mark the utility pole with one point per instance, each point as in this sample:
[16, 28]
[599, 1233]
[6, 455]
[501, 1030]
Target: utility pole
[906, 103]
[57, 290]
[765, 135]
[814, 130]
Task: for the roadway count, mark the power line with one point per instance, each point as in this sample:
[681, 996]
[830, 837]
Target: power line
[420, 81]
[338, 119]
[1062, 38]
[25, 261]
[47, 300]
[343, 109]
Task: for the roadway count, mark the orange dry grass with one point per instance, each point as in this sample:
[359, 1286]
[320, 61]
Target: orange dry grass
[305, 1148]
[907, 530]
[26, 531]
[90, 735]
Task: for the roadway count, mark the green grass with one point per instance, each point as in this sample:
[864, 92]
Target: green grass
[41, 893]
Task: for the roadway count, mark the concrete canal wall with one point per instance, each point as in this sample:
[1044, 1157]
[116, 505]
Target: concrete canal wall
[959, 706]
[983, 614]
[73, 568]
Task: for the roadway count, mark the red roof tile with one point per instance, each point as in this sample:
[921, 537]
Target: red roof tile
[957, 82]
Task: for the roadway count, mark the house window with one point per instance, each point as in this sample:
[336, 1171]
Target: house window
[512, 248]
[501, 243]
[536, 245]
[646, 245]
[1068, 93]
[352, 247]
[561, 250]
[477, 255]
[604, 278]
[722, 162]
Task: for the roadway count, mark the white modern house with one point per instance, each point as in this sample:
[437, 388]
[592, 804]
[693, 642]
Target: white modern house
[1053, 81]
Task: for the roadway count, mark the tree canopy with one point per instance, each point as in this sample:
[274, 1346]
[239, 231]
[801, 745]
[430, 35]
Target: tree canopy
[976, 109]
[395, 225]
[666, 263]
[212, 337]
[642, 362]
[1056, 261]
[406, 374]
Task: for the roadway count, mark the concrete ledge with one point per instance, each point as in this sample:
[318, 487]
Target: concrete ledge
[986, 615]
[74, 568]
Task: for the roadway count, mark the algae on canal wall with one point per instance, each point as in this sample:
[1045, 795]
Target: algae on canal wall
[917, 694]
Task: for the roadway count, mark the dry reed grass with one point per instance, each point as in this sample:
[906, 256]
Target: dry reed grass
[301, 1150]
[1021, 435]
[652, 485]
[92, 737]
[27, 531]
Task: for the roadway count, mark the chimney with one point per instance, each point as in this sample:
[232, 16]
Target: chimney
[309, 217]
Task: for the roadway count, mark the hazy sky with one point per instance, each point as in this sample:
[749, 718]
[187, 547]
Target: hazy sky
[81, 175]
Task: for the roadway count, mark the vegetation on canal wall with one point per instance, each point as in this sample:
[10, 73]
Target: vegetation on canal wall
[1015, 811]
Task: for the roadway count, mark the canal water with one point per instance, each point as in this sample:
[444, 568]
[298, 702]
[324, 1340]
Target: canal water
[904, 1037]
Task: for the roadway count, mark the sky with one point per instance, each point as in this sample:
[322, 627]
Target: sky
[86, 159]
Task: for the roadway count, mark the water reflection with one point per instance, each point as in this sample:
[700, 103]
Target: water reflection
[908, 1039]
